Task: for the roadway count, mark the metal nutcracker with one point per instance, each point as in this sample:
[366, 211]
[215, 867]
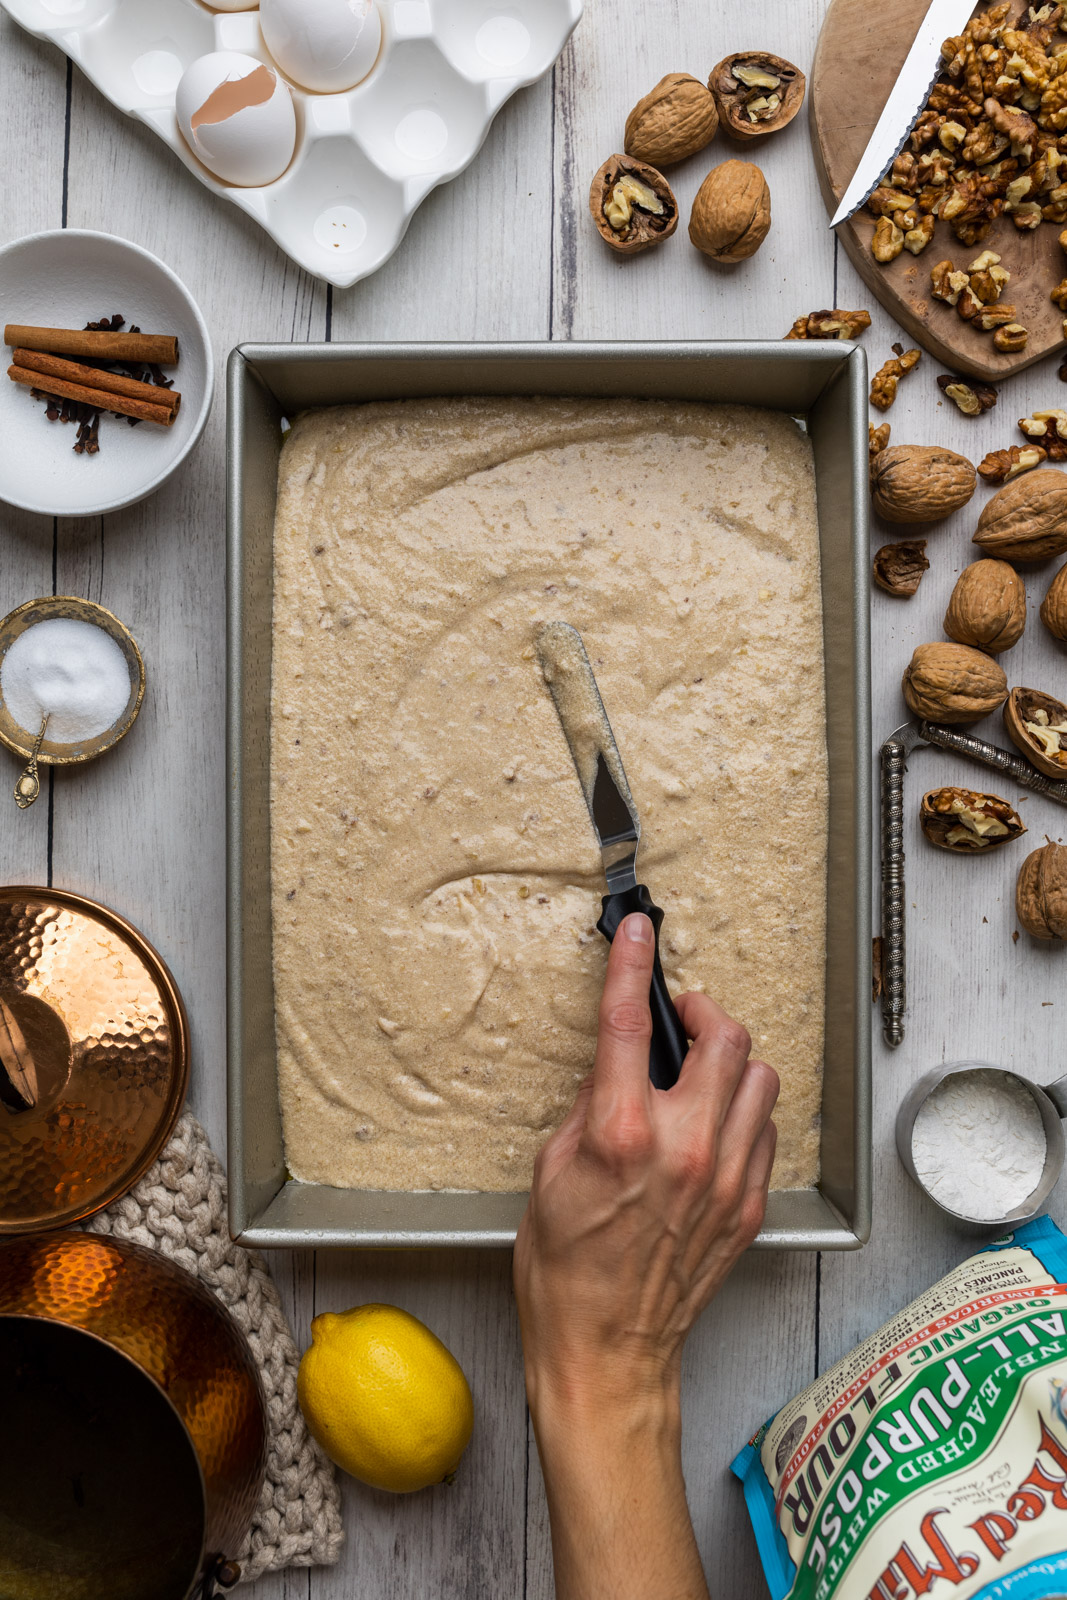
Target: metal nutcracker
[894, 757]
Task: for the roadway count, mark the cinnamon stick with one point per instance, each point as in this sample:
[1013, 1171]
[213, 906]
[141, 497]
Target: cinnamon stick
[152, 349]
[98, 399]
[152, 394]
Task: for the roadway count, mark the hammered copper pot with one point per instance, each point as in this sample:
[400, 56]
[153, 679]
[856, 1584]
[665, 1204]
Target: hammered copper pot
[134, 1427]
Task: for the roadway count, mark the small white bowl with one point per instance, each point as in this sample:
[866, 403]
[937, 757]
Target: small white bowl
[65, 279]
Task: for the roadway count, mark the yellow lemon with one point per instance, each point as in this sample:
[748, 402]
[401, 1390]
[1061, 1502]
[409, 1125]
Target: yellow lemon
[384, 1398]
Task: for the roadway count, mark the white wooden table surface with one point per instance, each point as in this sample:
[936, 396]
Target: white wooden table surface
[506, 252]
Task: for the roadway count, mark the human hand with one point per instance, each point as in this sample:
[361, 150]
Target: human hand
[643, 1199]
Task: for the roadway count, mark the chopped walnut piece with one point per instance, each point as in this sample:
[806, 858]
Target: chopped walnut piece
[917, 238]
[968, 305]
[987, 285]
[946, 283]
[951, 135]
[898, 568]
[970, 396]
[982, 263]
[1058, 295]
[1000, 465]
[877, 439]
[990, 317]
[1011, 337]
[830, 325]
[888, 240]
[884, 383]
[1049, 429]
[1063, 239]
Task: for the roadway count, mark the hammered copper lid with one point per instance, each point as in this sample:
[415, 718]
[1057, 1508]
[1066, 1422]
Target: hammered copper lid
[93, 1057]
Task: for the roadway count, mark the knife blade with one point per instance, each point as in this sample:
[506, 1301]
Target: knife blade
[916, 78]
[572, 684]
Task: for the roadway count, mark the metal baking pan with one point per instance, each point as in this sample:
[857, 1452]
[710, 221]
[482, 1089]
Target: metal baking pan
[823, 383]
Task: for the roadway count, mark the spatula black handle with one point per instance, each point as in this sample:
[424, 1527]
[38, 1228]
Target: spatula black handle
[669, 1043]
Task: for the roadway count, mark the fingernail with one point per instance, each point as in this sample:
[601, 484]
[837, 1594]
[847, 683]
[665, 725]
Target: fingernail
[638, 927]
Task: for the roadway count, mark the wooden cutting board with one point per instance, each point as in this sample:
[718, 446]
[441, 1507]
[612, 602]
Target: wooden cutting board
[860, 51]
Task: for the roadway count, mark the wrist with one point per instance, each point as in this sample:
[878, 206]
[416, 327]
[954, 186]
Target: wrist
[594, 1412]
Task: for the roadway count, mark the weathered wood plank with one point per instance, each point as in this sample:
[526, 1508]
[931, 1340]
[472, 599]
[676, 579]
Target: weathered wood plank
[144, 828]
[458, 1540]
[33, 97]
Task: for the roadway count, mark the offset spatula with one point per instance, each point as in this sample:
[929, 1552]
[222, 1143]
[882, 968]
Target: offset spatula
[573, 687]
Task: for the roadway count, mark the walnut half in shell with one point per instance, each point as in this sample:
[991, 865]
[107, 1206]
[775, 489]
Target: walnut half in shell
[1037, 724]
[632, 205]
[967, 822]
[756, 93]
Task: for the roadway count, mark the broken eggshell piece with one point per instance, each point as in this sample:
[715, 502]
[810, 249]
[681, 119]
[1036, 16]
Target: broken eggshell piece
[237, 117]
[323, 45]
[967, 822]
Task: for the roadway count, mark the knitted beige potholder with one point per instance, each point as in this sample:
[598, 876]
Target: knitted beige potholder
[179, 1209]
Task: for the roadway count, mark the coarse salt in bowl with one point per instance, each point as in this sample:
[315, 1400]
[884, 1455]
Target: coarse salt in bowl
[64, 279]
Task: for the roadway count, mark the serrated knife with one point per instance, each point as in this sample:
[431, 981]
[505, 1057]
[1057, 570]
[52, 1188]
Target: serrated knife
[573, 687]
[916, 78]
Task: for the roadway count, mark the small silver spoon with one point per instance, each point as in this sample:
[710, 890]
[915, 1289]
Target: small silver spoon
[28, 786]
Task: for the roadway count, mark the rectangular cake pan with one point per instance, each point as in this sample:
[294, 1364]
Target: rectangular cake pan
[825, 384]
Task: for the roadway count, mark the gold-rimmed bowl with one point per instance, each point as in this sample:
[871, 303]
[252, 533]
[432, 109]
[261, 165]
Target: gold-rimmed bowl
[19, 740]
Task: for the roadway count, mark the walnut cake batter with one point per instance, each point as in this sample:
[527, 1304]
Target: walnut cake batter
[436, 876]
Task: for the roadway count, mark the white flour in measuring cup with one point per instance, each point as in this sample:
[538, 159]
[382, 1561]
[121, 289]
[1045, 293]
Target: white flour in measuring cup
[979, 1144]
[932, 1460]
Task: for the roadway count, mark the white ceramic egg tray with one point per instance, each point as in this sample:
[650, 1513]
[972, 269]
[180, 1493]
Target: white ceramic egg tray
[366, 159]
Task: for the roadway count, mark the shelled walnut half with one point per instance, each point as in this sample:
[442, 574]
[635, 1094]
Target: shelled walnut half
[632, 205]
[898, 568]
[1041, 892]
[884, 383]
[1049, 430]
[968, 822]
[1037, 724]
[1000, 466]
[968, 395]
[756, 93]
[830, 325]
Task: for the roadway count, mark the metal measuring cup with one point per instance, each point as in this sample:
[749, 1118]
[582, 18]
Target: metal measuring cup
[1051, 1102]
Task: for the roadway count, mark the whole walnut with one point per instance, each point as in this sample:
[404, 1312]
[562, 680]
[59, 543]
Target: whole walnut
[732, 212]
[674, 120]
[920, 482]
[953, 683]
[987, 608]
[1027, 519]
[1054, 605]
[1041, 892]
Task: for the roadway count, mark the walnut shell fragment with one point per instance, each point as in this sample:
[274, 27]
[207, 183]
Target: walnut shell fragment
[632, 205]
[732, 212]
[953, 683]
[1037, 725]
[987, 607]
[756, 93]
[1054, 606]
[1041, 892]
[1027, 519]
[898, 568]
[674, 120]
[967, 821]
[920, 482]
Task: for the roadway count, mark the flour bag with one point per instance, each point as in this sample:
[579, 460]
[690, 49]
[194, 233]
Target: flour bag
[932, 1460]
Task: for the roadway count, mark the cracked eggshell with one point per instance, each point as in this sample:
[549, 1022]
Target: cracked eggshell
[323, 45]
[237, 117]
[230, 5]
